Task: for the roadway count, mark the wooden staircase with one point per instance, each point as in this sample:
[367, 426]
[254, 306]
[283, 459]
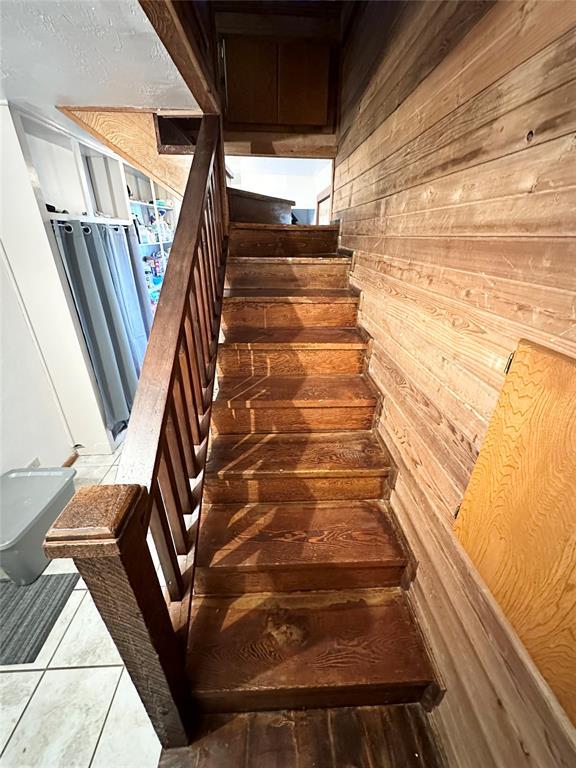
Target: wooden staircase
[298, 597]
[297, 600]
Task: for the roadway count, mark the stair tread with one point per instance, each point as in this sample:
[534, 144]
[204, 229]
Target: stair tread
[298, 535]
[293, 229]
[267, 644]
[292, 295]
[280, 338]
[320, 259]
[296, 391]
[304, 455]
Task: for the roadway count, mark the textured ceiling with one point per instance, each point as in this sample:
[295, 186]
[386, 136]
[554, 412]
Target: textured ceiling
[85, 53]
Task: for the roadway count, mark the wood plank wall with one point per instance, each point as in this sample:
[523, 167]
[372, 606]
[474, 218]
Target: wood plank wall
[455, 182]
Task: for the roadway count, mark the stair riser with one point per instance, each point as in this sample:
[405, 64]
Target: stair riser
[356, 696]
[325, 577]
[288, 315]
[227, 421]
[289, 362]
[247, 490]
[286, 276]
[278, 242]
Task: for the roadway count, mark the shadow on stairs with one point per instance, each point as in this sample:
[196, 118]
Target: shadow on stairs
[300, 626]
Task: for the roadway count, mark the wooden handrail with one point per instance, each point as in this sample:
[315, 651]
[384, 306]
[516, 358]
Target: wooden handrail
[115, 534]
[140, 455]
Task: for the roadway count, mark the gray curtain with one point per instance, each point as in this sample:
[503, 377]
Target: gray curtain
[139, 279]
[120, 266]
[103, 284]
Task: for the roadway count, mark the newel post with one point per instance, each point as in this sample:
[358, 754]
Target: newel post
[104, 530]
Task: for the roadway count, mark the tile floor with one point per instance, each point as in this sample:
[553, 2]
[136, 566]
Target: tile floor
[75, 706]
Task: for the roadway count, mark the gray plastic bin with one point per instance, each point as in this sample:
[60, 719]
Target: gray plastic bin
[30, 501]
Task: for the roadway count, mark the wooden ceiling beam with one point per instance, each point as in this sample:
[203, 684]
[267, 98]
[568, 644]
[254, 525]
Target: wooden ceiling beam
[182, 41]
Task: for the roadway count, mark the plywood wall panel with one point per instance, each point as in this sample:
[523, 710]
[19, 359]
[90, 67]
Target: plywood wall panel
[518, 515]
[459, 204]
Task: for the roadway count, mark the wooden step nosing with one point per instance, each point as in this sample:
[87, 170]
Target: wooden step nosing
[335, 435]
[308, 300]
[316, 474]
[254, 405]
[320, 345]
[301, 565]
[319, 688]
[293, 228]
[312, 260]
[376, 505]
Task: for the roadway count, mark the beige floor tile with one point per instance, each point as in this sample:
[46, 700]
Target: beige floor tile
[16, 689]
[63, 720]
[59, 566]
[86, 642]
[128, 739]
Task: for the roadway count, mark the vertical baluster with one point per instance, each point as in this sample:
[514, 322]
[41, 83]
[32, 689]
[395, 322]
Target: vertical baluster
[218, 216]
[213, 208]
[176, 454]
[205, 290]
[201, 345]
[190, 405]
[193, 347]
[210, 258]
[214, 251]
[183, 421]
[171, 501]
[162, 538]
[206, 261]
[210, 223]
[203, 312]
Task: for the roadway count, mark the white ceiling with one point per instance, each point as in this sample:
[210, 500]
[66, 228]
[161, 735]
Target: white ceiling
[85, 53]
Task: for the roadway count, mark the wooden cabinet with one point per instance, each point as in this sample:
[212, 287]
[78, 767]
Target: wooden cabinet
[251, 80]
[277, 83]
[303, 82]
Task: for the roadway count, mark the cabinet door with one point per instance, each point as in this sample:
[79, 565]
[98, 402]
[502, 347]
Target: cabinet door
[251, 80]
[303, 79]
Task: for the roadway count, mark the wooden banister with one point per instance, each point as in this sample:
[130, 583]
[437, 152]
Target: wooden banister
[140, 456]
[109, 530]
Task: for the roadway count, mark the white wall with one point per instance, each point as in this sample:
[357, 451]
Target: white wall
[55, 167]
[298, 179]
[32, 425]
[40, 281]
